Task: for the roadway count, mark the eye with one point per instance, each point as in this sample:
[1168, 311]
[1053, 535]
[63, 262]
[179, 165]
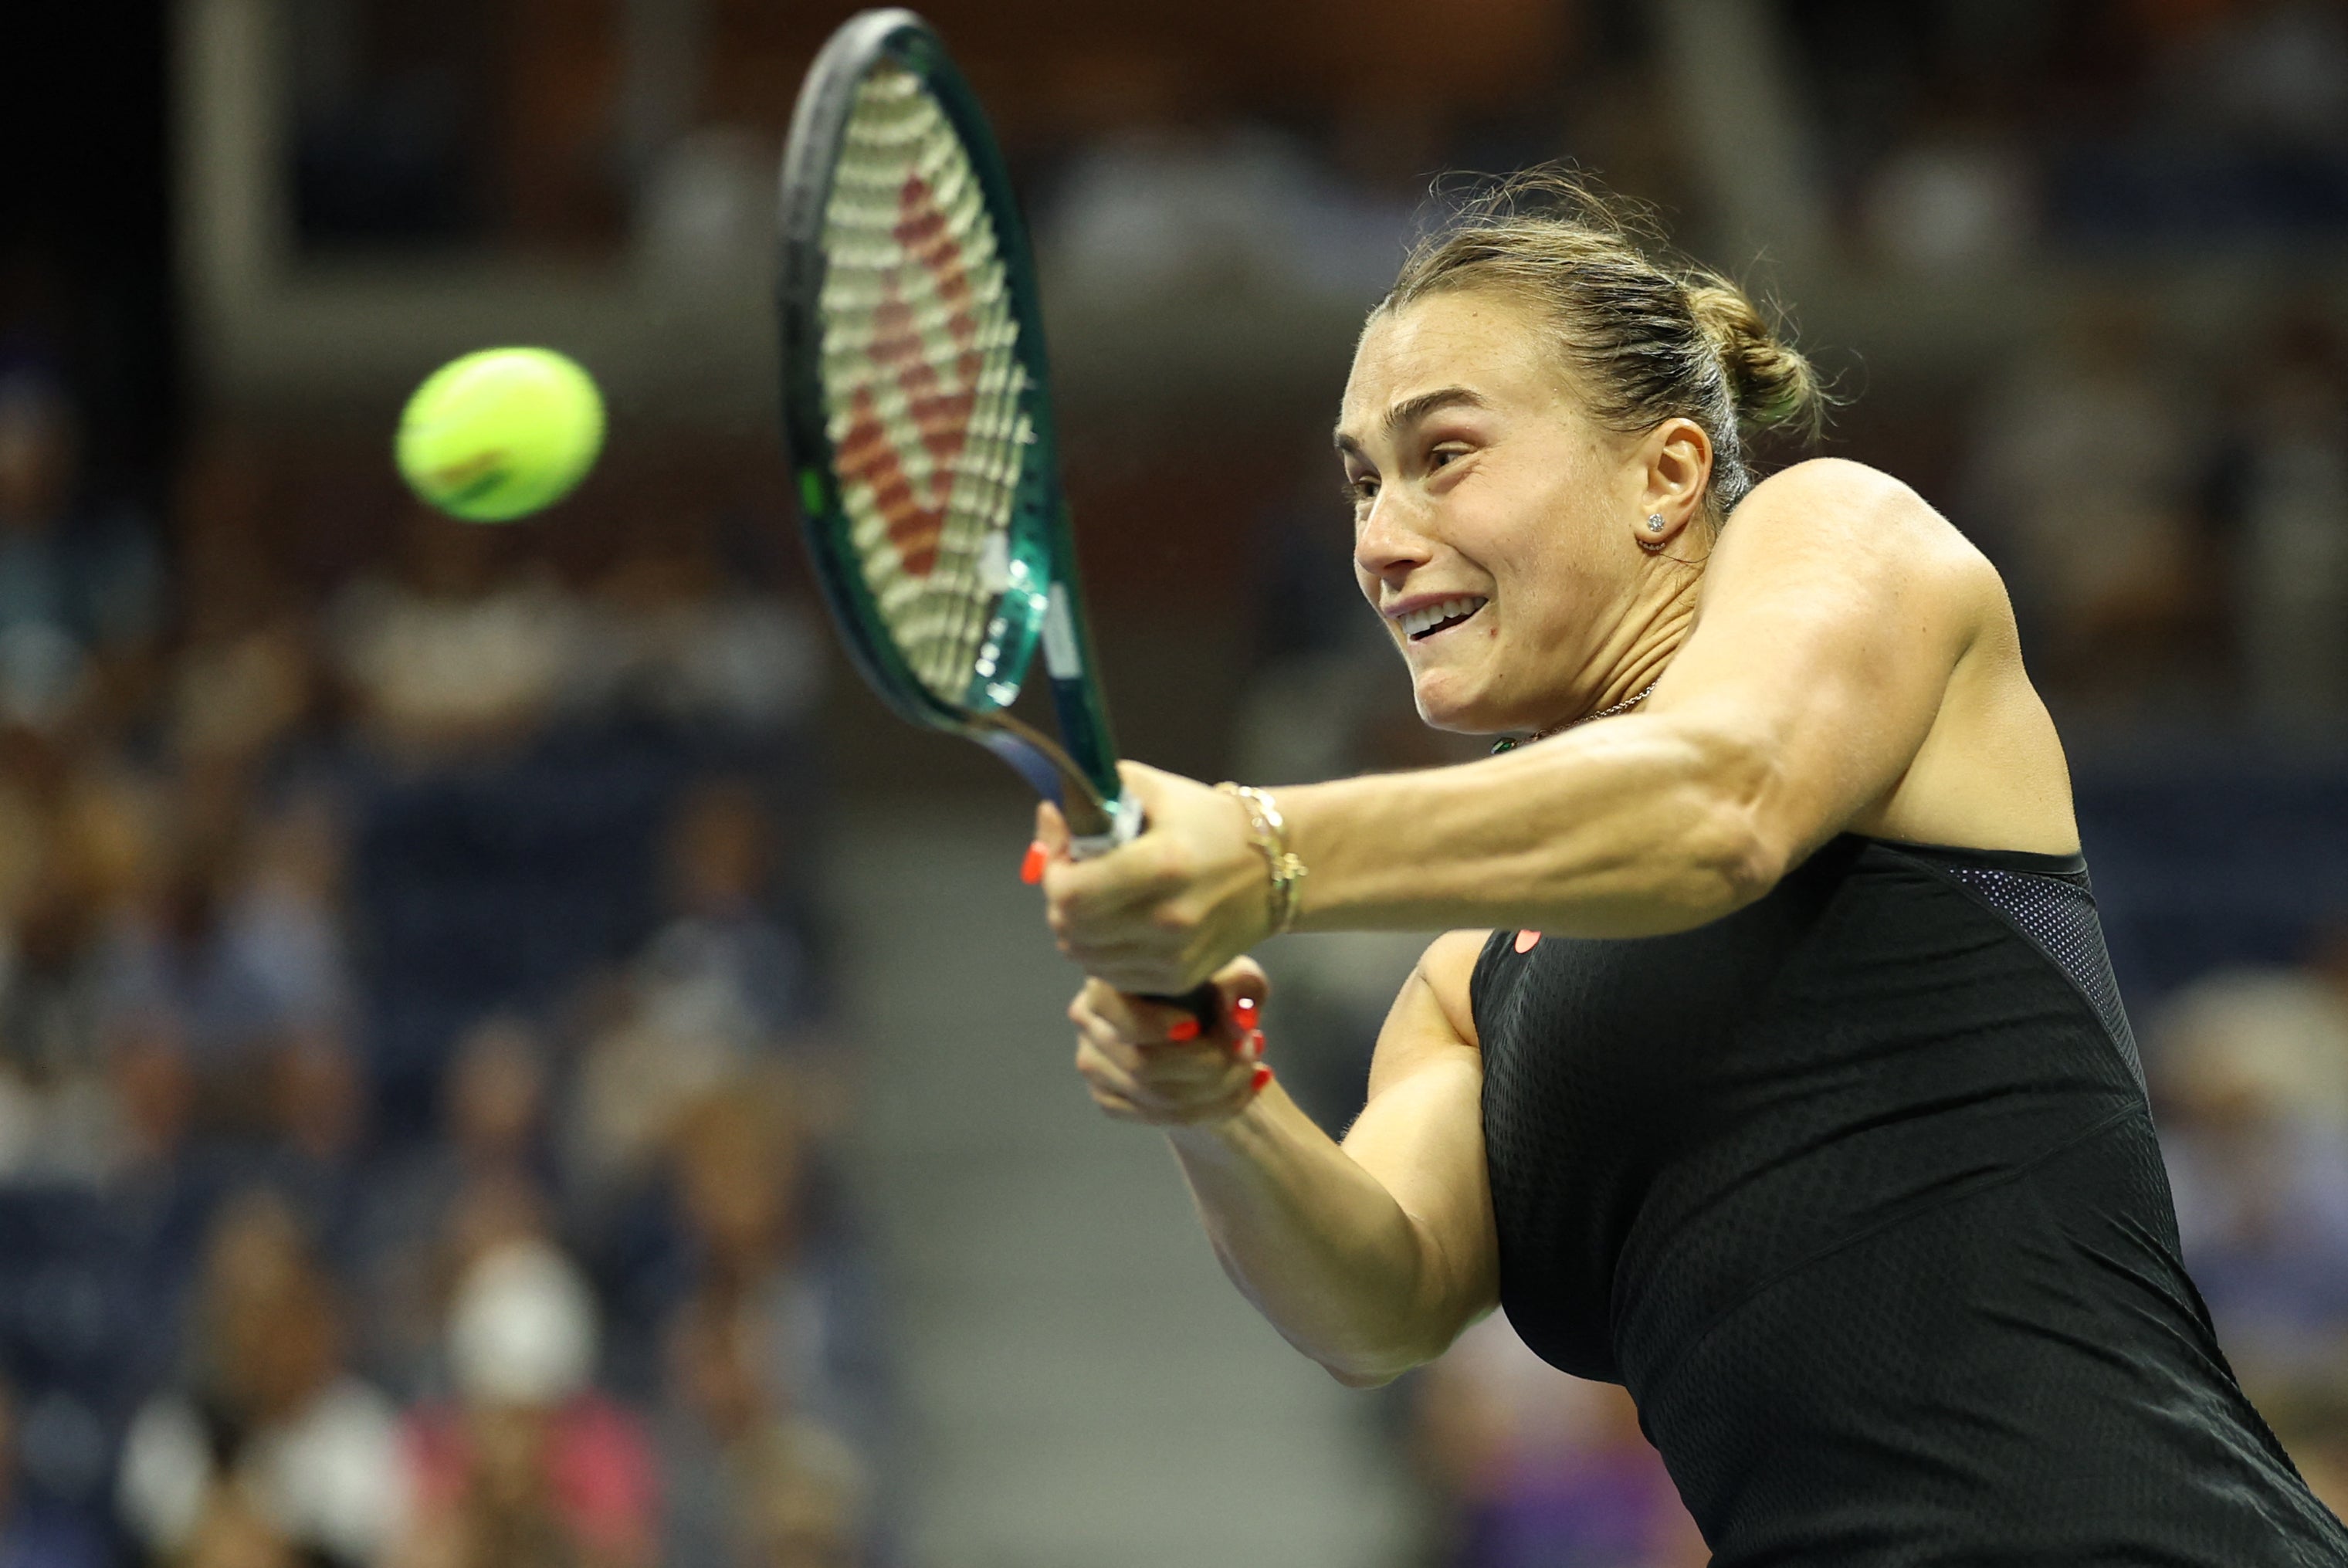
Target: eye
[1438, 456]
[1361, 488]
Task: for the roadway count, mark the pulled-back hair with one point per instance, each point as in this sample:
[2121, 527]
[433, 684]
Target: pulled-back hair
[1648, 337]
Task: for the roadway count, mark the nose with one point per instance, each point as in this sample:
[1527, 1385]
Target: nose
[1387, 548]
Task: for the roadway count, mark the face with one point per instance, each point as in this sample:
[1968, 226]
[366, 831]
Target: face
[1492, 518]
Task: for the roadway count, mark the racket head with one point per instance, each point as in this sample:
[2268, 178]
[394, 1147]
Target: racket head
[916, 402]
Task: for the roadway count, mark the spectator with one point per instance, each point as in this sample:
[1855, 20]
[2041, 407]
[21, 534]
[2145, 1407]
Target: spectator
[750, 1484]
[724, 987]
[73, 588]
[267, 1447]
[232, 963]
[2254, 1072]
[691, 646]
[529, 1467]
[60, 1116]
[2105, 555]
[245, 676]
[492, 1108]
[453, 656]
[2288, 499]
[758, 1244]
[1536, 1468]
[35, 1533]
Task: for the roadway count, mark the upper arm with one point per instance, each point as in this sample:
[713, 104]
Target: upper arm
[1834, 612]
[1421, 1133]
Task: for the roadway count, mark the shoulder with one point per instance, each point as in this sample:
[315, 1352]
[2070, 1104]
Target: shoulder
[1846, 523]
[1834, 503]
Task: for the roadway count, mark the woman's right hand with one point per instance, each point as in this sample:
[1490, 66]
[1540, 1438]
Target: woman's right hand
[1149, 1062]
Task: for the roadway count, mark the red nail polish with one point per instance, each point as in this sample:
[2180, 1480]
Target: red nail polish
[1262, 1077]
[1031, 870]
[1243, 1013]
[1182, 1029]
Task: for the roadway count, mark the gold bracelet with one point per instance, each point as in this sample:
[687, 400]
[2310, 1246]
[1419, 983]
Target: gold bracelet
[1268, 831]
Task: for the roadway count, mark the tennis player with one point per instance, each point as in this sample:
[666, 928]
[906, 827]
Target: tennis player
[1778, 1072]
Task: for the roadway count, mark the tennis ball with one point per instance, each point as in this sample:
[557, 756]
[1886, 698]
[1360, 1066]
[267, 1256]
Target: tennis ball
[499, 434]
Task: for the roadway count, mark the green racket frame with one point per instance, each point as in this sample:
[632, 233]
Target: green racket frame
[1041, 604]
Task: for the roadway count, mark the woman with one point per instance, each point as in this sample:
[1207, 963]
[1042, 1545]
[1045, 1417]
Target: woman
[1829, 1143]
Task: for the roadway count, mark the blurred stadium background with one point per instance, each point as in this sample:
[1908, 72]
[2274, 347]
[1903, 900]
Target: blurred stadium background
[506, 1055]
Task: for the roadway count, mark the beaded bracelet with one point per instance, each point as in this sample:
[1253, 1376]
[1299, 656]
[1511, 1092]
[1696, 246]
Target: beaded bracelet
[1267, 831]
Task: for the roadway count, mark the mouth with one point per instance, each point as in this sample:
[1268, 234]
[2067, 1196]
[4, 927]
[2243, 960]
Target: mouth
[1430, 619]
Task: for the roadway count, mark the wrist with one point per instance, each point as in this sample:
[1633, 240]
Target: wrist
[1307, 808]
[1284, 869]
[1231, 1139]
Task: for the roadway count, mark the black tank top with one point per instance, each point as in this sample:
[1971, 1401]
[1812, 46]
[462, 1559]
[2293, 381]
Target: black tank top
[1855, 1189]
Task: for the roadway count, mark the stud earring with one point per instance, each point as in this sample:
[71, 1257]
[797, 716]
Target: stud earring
[1655, 522]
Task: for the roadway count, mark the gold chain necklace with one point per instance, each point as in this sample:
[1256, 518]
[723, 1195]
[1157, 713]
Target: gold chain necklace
[1510, 743]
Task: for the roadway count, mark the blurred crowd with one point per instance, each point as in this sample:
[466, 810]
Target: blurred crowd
[421, 1099]
[1964, 135]
[418, 1097]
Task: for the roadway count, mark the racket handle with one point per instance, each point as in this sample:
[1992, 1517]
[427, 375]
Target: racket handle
[1121, 826]
[1203, 1002]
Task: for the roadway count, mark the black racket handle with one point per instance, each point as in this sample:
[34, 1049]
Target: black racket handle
[1203, 1002]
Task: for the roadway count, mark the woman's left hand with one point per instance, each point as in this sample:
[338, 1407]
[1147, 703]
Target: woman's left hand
[1161, 914]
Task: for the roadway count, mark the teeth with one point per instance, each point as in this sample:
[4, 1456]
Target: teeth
[1430, 615]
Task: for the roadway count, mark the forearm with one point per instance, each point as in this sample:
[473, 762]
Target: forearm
[1317, 1243]
[1626, 830]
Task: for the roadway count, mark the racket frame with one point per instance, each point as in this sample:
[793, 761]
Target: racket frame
[1042, 605]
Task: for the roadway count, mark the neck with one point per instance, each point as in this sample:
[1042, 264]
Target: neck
[1636, 653]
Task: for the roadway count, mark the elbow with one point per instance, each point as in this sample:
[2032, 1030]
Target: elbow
[1374, 1366]
[1373, 1372]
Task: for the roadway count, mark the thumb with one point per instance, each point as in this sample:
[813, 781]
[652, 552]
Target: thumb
[1143, 782]
[1051, 830]
[1244, 987]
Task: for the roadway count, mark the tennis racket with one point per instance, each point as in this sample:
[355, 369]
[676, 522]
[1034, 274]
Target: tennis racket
[917, 413]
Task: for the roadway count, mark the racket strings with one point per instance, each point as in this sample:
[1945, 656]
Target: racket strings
[922, 378]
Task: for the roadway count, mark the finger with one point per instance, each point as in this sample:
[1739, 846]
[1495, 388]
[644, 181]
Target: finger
[1160, 1069]
[1242, 979]
[1129, 1016]
[1155, 1020]
[1108, 890]
[1103, 1072]
[1113, 1045]
[1118, 1106]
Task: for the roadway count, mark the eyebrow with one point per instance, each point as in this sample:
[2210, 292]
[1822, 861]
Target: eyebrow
[1411, 410]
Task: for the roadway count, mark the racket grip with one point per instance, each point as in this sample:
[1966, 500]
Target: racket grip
[1203, 1002]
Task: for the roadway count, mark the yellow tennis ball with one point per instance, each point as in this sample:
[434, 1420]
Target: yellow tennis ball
[499, 434]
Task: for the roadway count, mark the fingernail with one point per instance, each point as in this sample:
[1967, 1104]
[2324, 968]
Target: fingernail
[1262, 1077]
[1182, 1029]
[1031, 870]
[1251, 1045]
[1243, 1013]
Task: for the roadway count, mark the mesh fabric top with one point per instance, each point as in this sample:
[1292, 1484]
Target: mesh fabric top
[921, 382]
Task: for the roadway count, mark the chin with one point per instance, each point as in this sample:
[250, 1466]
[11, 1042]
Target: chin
[1451, 711]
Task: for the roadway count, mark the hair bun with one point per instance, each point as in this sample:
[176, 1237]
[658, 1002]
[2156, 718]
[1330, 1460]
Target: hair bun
[1772, 384]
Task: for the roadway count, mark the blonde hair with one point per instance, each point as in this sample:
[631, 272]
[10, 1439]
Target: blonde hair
[1648, 337]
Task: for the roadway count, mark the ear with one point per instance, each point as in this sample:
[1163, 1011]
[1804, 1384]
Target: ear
[1676, 457]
